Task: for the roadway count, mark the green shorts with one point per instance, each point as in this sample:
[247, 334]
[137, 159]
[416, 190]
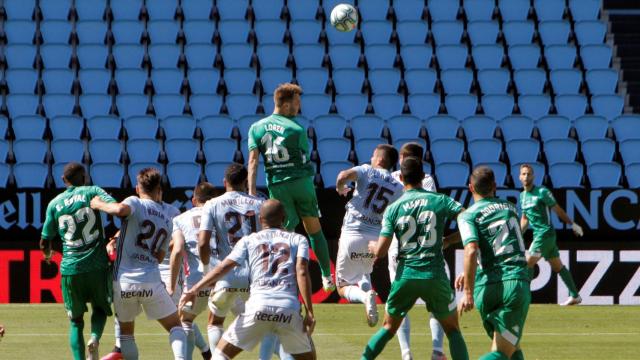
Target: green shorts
[503, 308]
[94, 287]
[299, 199]
[545, 247]
[436, 293]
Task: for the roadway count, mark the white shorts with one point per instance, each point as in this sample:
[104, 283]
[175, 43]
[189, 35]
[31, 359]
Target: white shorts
[200, 303]
[354, 259]
[392, 255]
[130, 299]
[177, 292]
[221, 301]
[249, 328]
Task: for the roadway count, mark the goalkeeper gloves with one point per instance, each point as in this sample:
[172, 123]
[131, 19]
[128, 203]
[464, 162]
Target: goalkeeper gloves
[577, 229]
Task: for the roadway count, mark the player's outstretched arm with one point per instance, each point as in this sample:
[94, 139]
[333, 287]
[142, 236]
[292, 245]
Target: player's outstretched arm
[209, 280]
[204, 248]
[304, 285]
[577, 229]
[253, 171]
[45, 247]
[469, 266]
[175, 260]
[114, 209]
[345, 177]
[524, 223]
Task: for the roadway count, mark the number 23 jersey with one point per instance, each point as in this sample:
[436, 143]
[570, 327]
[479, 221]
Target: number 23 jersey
[272, 255]
[143, 233]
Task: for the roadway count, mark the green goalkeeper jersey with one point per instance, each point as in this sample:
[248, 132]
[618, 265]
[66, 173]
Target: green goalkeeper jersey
[536, 205]
[79, 227]
[493, 224]
[417, 219]
[284, 147]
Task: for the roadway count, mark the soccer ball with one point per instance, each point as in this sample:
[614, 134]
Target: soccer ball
[344, 17]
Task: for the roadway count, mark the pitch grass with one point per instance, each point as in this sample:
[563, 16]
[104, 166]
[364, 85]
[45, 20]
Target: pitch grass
[551, 332]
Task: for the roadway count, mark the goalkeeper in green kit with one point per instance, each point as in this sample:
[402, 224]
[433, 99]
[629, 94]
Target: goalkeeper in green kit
[536, 201]
[283, 143]
[86, 277]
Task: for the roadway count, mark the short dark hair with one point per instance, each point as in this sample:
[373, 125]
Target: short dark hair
[149, 179]
[74, 173]
[412, 149]
[284, 93]
[235, 175]
[527, 166]
[203, 192]
[483, 180]
[389, 155]
[411, 170]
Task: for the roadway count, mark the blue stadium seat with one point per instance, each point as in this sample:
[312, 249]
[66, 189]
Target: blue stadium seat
[90, 9]
[19, 9]
[442, 9]
[56, 171]
[182, 150]
[598, 150]
[351, 105]
[584, 9]
[20, 56]
[516, 127]
[200, 56]
[336, 37]
[494, 81]
[538, 170]
[560, 150]
[333, 149]
[456, 81]
[485, 151]
[126, 9]
[499, 172]
[91, 32]
[380, 56]
[132, 105]
[56, 31]
[183, 174]
[199, 31]
[566, 81]
[591, 127]
[410, 10]
[141, 127]
[571, 106]
[384, 81]
[487, 56]
[416, 56]
[215, 172]
[497, 106]
[479, 9]
[629, 151]
[514, 10]
[167, 81]
[4, 125]
[560, 56]
[446, 150]
[312, 80]
[376, 32]
[442, 127]
[131, 81]
[330, 170]
[303, 9]
[534, 106]
[67, 127]
[21, 81]
[328, 5]
[29, 127]
[55, 10]
[205, 105]
[179, 126]
[67, 150]
[272, 77]
[424, 105]
[127, 31]
[461, 106]
[237, 55]
[22, 104]
[530, 81]
[95, 105]
[554, 32]
[479, 127]
[92, 56]
[330, 126]
[273, 55]
[483, 32]
[553, 127]
[596, 56]
[388, 105]
[305, 31]
[270, 31]
[4, 150]
[626, 127]
[348, 81]
[604, 175]
[203, 81]
[523, 150]
[128, 56]
[240, 105]
[590, 32]
[602, 82]
[59, 81]
[164, 56]
[447, 32]
[163, 31]
[30, 175]
[313, 105]
[412, 32]
[404, 126]
[365, 147]
[103, 127]
[524, 56]
[373, 9]
[566, 175]
[168, 105]
[609, 106]
[518, 32]
[143, 150]
[451, 56]
[29, 150]
[58, 104]
[312, 55]
[56, 56]
[196, 10]
[452, 174]
[271, 9]
[219, 127]
[548, 10]
[20, 31]
[632, 171]
[244, 124]
[4, 174]
[420, 81]
[135, 168]
[161, 9]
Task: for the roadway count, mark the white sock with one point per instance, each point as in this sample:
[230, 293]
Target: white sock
[202, 345]
[354, 294]
[404, 336]
[219, 355]
[282, 354]
[437, 334]
[116, 330]
[191, 339]
[267, 347]
[178, 340]
[214, 333]
[128, 347]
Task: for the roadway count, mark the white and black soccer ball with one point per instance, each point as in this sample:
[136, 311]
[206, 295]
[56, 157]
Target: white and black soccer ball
[344, 17]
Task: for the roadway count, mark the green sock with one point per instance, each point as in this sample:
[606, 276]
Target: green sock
[496, 355]
[518, 355]
[376, 344]
[457, 346]
[76, 340]
[98, 320]
[319, 246]
[566, 277]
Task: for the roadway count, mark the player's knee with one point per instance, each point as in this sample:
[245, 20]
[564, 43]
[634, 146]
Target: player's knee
[78, 321]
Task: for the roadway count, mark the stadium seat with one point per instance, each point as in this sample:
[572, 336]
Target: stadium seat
[67, 150]
[141, 127]
[245, 122]
[240, 81]
[416, 56]
[483, 32]
[94, 81]
[4, 151]
[524, 56]
[514, 10]
[376, 32]
[270, 31]
[609, 106]
[198, 31]
[29, 127]
[20, 32]
[479, 9]
[604, 175]
[516, 127]
[215, 172]
[30, 175]
[128, 56]
[598, 150]
[58, 104]
[424, 105]
[19, 9]
[412, 32]
[313, 56]
[380, 56]
[305, 31]
[304, 9]
[494, 81]
[103, 127]
[549, 10]
[55, 10]
[217, 127]
[351, 105]
[629, 151]
[182, 150]
[57, 56]
[267, 10]
[456, 81]
[591, 127]
[205, 105]
[236, 55]
[365, 147]
[518, 32]
[447, 32]
[596, 56]
[442, 9]
[273, 55]
[374, 9]
[183, 174]
[348, 81]
[602, 82]
[200, 56]
[4, 174]
[484, 151]
[131, 81]
[632, 172]
[451, 56]
[132, 105]
[143, 150]
[534, 106]
[523, 150]
[590, 32]
[461, 106]
[163, 31]
[164, 56]
[66, 127]
[584, 10]
[127, 32]
[95, 105]
[22, 105]
[553, 127]
[168, 105]
[538, 170]
[560, 56]
[21, 81]
[336, 37]
[315, 105]
[566, 175]
[554, 32]
[196, 10]
[497, 106]
[410, 10]
[446, 150]
[442, 127]
[388, 105]
[336, 149]
[566, 82]
[4, 126]
[270, 78]
[452, 174]
[384, 81]
[330, 126]
[90, 9]
[571, 106]
[626, 127]
[203, 81]
[530, 81]
[126, 9]
[179, 126]
[312, 80]
[559, 150]
[239, 105]
[478, 127]
[55, 31]
[161, 9]
[420, 81]
[92, 56]
[29, 150]
[330, 170]
[404, 126]
[487, 56]
[58, 81]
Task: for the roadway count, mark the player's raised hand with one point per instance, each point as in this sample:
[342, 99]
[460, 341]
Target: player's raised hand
[343, 191]
[466, 304]
[373, 245]
[187, 296]
[459, 283]
[309, 323]
[577, 229]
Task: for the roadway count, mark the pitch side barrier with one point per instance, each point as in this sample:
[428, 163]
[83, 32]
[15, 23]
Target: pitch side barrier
[605, 263]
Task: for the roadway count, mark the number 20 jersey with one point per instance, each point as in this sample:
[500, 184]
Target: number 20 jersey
[144, 232]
